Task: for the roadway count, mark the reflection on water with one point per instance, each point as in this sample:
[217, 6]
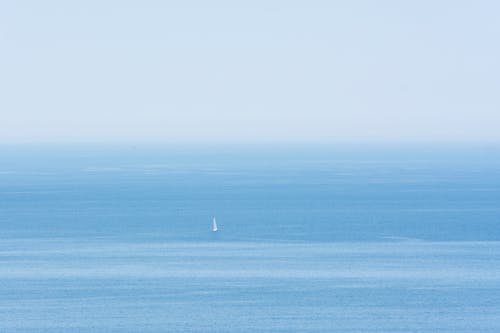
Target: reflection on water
[107, 285]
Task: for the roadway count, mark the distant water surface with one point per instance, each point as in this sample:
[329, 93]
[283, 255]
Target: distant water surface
[312, 239]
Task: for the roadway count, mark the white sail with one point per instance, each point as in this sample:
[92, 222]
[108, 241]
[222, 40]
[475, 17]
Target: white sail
[214, 227]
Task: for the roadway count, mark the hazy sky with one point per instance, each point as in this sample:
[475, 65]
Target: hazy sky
[249, 71]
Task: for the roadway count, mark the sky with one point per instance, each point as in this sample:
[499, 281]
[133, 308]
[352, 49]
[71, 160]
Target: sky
[249, 71]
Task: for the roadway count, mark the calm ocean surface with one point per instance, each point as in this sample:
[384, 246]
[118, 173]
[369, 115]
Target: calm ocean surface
[312, 239]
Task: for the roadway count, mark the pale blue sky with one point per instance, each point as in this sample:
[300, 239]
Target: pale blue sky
[249, 71]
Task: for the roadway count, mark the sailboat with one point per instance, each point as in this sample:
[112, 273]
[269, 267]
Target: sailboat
[214, 227]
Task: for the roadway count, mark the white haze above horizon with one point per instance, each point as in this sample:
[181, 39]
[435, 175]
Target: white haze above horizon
[249, 71]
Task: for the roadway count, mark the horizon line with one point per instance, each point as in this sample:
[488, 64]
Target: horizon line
[253, 143]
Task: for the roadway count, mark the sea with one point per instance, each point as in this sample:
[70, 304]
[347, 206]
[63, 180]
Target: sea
[312, 238]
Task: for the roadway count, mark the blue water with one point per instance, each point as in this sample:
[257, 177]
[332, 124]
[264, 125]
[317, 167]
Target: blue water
[312, 239]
